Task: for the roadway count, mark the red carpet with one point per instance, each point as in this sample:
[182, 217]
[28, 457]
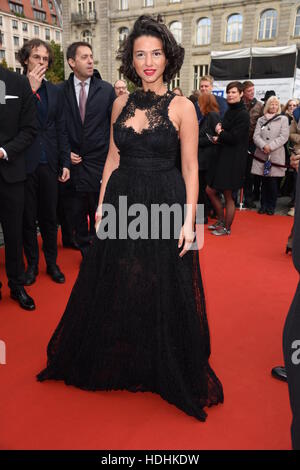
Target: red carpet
[249, 285]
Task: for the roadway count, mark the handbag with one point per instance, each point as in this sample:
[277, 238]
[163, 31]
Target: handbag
[267, 166]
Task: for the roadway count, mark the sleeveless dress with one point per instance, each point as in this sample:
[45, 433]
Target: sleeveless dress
[136, 316]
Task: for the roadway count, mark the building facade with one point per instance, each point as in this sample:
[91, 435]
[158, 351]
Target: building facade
[200, 26]
[21, 20]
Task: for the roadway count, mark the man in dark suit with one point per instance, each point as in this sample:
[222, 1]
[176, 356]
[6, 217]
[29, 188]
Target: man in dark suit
[47, 160]
[88, 103]
[18, 128]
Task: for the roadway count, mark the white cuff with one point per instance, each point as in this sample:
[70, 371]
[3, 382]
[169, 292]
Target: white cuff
[5, 154]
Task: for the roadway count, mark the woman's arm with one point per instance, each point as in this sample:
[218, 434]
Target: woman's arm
[257, 139]
[236, 133]
[113, 158]
[283, 136]
[188, 132]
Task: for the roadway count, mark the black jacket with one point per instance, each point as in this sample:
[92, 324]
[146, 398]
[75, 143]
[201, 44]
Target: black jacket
[18, 125]
[91, 140]
[206, 149]
[52, 135]
[228, 169]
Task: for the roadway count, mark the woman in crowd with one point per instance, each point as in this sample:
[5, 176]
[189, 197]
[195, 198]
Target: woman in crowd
[226, 171]
[136, 318]
[289, 108]
[209, 109]
[270, 135]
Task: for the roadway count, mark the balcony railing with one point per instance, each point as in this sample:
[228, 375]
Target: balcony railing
[85, 17]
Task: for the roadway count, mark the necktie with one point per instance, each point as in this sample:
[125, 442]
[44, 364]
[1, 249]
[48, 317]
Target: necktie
[82, 101]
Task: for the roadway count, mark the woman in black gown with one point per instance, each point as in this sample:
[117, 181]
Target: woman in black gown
[136, 316]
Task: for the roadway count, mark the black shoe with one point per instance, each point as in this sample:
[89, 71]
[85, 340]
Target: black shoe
[70, 244]
[270, 211]
[19, 294]
[30, 275]
[250, 205]
[261, 211]
[279, 373]
[56, 274]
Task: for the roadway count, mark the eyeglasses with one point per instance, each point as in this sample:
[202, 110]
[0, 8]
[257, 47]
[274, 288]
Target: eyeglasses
[120, 87]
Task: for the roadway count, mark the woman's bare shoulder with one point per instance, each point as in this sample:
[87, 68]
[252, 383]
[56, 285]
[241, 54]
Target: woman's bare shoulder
[119, 104]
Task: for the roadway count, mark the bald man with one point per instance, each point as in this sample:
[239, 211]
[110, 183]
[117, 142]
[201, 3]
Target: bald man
[120, 87]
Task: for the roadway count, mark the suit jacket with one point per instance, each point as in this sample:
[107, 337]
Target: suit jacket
[52, 135]
[18, 125]
[91, 139]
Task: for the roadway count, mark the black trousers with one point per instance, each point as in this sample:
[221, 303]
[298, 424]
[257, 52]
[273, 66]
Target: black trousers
[291, 351]
[11, 218]
[269, 191]
[74, 208]
[40, 206]
[203, 198]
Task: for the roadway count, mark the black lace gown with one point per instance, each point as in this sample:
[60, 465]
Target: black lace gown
[136, 316]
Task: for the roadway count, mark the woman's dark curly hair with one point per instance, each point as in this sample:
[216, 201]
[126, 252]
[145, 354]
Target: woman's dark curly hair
[147, 25]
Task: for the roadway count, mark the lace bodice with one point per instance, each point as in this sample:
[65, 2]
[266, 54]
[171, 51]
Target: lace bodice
[157, 140]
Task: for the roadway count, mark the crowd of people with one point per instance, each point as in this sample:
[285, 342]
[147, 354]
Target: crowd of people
[60, 144]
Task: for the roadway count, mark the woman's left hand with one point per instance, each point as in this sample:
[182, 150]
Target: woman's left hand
[218, 128]
[186, 238]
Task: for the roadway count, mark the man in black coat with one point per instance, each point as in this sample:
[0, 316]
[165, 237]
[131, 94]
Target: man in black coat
[88, 103]
[291, 333]
[18, 128]
[47, 160]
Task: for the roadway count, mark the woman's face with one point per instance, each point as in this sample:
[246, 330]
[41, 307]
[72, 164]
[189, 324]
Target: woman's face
[273, 107]
[149, 59]
[234, 96]
[291, 106]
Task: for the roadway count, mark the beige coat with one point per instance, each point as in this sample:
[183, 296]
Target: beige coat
[295, 135]
[275, 134]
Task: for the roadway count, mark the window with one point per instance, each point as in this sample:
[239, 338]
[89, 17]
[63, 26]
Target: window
[175, 82]
[40, 3]
[199, 72]
[87, 36]
[2, 55]
[267, 25]
[176, 30]
[50, 3]
[47, 34]
[234, 28]
[81, 6]
[25, 40]
[39, 15]
[148, 3]
[1, 21]
[16, 8]
[91, 6]
[25, 27]
[16, 56]
[57, 35]
[123, 4]
[175, 1]
[16, 41]
[18, 70]
[123, 33]
[14, 24]
[54, 19]
[203, 31]
[297, 24]
[36, 30]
